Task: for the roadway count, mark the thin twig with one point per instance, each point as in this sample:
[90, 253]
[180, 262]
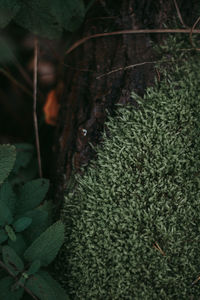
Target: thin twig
[35, 105]
[131, 31]
[21, 284]
[157, 247]
[17, 83]
[196, 280]
[179, 15]
[192, 30]
[126, 68]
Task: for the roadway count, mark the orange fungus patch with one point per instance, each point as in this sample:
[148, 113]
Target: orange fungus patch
[51, 108]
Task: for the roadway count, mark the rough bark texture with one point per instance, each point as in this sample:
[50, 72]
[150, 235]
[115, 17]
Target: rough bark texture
[86, 95]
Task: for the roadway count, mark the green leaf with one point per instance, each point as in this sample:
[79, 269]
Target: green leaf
[69, 14]
[31, 195]
[8, 9]
[36, 16]
[12, 260]
[34, 267]
[6, 292]
[19, 245]
[48, 206]
[39, 224]
[59, 291]
[6, 50]
[3, 236]
[45, 287]
[40, 288]
[7, 159]
[8, 196]
[22, 223]
[47, 245]
[11, 233]
[24, 154]
[5, 214]
[24, 175]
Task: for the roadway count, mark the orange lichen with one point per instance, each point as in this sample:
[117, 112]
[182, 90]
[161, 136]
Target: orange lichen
[51, 108]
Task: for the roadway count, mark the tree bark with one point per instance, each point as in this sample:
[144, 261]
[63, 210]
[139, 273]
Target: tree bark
[91, 86]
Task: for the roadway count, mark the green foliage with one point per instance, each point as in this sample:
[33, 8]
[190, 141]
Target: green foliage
[10, 232]
[43, 17]
[19, 212]
[27, 242]
[48, 289]
[7, 196]
[31, 195]
[12, 261]
[25, 167]
[69, 14]
[36, 16]
[7, 160]
[58, 290]
[46, 246]
[27, 271]
[34, 267]
[8, 10]
[40, 221]
[141, 193]
[6, 292]
[5, 215]
[19, 245]
[21, 224]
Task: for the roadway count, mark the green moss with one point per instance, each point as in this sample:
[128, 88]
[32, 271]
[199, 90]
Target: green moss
[143, 189]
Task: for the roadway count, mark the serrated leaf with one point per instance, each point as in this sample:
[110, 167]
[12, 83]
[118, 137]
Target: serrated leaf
[8, 9]
[48, 207]
[39, 224]
[24, 175]
[3, 236]
[8, 196]
[31, 195]
[7, 160]
[34, 267]
[47, 245]
[5, 214]
[40, 288]
[69, 14]
[59, 291]
[22, 223]
[12, 260]
[19, 245]
[24, 154]
[36, 16]
[6, 292]
[11, 233]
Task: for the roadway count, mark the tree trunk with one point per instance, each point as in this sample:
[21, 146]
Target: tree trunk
[100, 73]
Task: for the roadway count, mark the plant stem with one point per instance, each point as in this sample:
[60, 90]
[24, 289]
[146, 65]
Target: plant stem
[22, 285]
[35, 105]
[131, 31]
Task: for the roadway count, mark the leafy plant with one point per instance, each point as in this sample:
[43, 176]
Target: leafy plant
[43, 17]
[7, 160]
[18, 211]
[27, 242]
[25, 167]
[27, 273]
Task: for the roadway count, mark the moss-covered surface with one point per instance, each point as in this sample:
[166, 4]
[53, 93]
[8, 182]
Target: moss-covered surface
[142, 193]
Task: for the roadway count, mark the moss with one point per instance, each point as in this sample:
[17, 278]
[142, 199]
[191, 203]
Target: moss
[142, 193]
